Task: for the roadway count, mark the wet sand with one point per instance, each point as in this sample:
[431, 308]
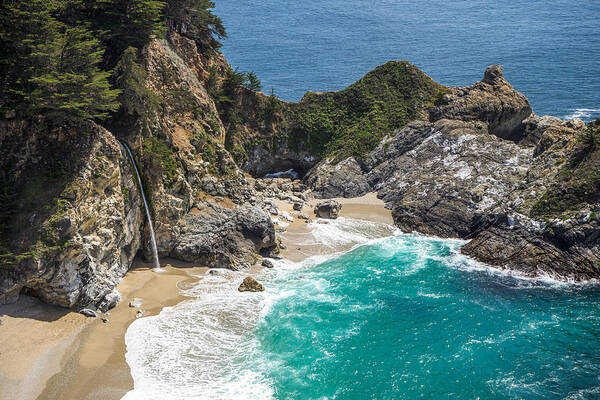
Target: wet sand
[47, 352]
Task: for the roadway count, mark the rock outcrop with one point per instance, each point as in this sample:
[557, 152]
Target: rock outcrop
[226, 238]
[328, 209]
[74, 214]
[492, 101]
[251, 285]
[72, 210]
[483, 167]
[471, 162]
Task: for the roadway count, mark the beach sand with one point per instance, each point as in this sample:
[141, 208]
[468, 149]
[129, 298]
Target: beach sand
[48, 352]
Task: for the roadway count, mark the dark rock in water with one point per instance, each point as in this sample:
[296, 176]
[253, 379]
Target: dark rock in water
[136, 302]
[214, 272]
[298, 206]
[568, 249]
[282, 246]
[105, 320]
[267, 263]
[251, 285]
[328, 209]
[88, 312]
[139, 313]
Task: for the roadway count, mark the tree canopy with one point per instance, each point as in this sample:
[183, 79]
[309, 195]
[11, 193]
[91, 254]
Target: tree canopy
[58, 56]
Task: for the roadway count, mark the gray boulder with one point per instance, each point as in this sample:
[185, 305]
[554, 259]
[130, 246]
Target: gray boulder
[328, 209]
[225, 238]
[88, 313]
[136, 302]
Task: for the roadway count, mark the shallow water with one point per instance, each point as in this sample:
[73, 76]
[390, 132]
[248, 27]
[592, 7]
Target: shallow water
[550, 51]
[400, 316]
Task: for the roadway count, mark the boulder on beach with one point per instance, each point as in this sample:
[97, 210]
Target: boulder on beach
[251, 285]
[136, 302]
[328, 209]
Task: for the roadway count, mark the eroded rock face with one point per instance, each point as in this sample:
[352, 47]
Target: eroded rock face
[344, 179]
[475, 170]
[225, 238]
[328, 209]
[80, 220]
[493, 101]
[565, 250]
[251, 285]
[77, 216]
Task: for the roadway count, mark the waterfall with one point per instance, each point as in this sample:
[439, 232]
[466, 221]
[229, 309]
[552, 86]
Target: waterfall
[139, 179]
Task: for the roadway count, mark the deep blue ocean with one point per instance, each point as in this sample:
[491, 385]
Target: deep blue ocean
[550, 50]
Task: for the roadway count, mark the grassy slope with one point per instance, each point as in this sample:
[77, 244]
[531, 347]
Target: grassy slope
[349, 122]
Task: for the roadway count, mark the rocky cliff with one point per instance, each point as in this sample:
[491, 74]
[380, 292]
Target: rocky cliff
[470, 162]
[71, 217]
[483, 167]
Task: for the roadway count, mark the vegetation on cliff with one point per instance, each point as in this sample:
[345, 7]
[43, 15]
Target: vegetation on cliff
[58, 56]
[349, 122]
[578, 182]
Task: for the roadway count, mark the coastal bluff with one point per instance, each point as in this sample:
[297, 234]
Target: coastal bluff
[466, 162]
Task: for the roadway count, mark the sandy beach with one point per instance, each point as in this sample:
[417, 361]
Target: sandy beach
[48, 352]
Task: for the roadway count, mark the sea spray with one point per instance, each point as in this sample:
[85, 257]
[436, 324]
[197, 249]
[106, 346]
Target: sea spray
[146, 208]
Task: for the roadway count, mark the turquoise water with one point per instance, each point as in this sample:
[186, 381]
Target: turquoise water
[550, 50]
[399, 317]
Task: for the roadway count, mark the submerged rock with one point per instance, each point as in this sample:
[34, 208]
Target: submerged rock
[328, 209]
[267, 263]
[251, 285]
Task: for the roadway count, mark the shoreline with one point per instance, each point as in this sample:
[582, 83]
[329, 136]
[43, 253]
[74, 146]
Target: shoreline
[74, 357]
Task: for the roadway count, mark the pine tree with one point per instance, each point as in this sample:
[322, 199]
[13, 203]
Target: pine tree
[27, 35]
[49, 68]
[74, 87]
[194, 19]
[127, 23]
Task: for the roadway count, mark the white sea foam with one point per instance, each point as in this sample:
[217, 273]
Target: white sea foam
[289, 172]
[204, 348]
[343, 232]
[583, 113]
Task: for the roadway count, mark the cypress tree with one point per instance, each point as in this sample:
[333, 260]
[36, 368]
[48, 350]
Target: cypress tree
[50, 68]
[194, 19]
[74, 87]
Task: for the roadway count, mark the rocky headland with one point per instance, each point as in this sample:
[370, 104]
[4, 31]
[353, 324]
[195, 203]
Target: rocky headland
[471, 162]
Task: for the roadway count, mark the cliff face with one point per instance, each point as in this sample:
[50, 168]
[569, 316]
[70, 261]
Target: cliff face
[71, 211]
[483, 167]
[471, 162]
